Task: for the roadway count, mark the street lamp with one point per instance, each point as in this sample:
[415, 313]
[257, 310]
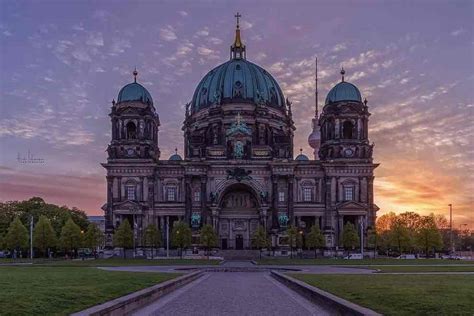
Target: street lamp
[451, 227]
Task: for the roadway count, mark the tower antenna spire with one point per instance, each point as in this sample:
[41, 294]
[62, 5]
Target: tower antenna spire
[316, 89]
[135, 74]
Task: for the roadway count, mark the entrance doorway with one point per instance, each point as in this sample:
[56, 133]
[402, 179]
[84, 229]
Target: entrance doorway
[239, 242]
[224, 243]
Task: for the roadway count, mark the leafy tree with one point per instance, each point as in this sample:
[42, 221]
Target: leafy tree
[44, 236]
[350, 238]
[93, 237]
[36, 206]
[260, 239]
[152, 238]
[400, 236]
[71, 237]
[294, 238]
[315, 239]
[123, 237]
[181, 236]
[428, 235]
[208, 237]
[17, 236]
[372, 239]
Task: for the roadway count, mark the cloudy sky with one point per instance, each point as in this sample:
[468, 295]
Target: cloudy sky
[62, 63]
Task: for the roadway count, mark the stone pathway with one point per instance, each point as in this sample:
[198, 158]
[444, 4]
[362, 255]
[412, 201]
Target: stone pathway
[233, 293]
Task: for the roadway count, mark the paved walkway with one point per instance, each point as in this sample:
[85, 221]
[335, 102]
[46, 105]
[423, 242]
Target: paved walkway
[237, 293]
[318, 269]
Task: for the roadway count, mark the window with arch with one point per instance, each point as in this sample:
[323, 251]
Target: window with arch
[171, 194]
[349, 192]
[347, 130]
[131, 130]
[307, 191]
[130, 191]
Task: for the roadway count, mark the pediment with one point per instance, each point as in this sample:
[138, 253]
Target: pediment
[129, 205]
[351, 205]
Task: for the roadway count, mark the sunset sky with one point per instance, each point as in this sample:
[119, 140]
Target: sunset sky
[62, 63]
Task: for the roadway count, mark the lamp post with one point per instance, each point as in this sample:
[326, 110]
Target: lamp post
[167, 236]
[31, 237]
[451, 227]
[362, 237]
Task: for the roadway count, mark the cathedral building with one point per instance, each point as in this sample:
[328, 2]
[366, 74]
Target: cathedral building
[238, 170]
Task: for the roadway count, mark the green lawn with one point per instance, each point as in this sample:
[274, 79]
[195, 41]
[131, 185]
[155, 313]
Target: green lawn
[324, 261]
[114, 262]
[401, 294]
[36, 290]
[447, 268]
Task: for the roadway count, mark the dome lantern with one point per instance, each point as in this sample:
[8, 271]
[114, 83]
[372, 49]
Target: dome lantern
[237, 50]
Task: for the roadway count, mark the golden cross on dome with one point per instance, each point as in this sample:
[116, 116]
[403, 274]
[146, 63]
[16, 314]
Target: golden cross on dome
[238, 15]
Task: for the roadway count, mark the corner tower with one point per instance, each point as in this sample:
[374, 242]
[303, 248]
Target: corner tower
[132, 154]
[344, 124]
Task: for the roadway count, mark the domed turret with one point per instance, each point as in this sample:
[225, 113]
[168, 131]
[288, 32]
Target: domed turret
[175, 156]
[343, 91]
[301, 156]
[134, 92]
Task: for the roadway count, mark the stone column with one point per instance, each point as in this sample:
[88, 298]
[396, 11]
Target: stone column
[275, 201]
[108, 218]
[151, 191]
[204, 212]
[187, 199]
[290, 200]
[142, 195]
[119, 187]
[370, 200]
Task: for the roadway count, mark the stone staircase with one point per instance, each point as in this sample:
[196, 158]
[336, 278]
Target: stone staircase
[230, 254]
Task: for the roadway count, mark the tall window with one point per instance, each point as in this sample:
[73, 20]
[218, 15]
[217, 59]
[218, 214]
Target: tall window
[131, 130]
[347, 129]
[348, 193]
[130, 192]
[281, 196]
[171, 194]
[307, 194]
[197, 196]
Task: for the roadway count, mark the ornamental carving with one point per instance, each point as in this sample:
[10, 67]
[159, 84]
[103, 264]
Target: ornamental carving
[239, 174]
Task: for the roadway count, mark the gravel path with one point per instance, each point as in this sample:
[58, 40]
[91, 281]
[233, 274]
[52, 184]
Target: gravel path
[237, 293]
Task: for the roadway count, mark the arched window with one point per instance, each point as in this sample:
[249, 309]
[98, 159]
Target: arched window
[130, 191]
[131, 130]
[347, 129]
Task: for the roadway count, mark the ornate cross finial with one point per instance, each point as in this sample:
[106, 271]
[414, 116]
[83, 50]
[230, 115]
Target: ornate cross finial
[343, 72]
[176, 150]
[301, 151]
[135, 74]
[238, 16]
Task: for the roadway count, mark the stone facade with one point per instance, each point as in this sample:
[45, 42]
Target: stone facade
[238, 170]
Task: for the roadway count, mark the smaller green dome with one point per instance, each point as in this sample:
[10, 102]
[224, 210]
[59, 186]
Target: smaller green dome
[134, 92]
[175, 157]
[343, 91]
[302, 157]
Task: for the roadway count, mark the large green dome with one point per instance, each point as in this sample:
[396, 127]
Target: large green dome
[237, 81]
